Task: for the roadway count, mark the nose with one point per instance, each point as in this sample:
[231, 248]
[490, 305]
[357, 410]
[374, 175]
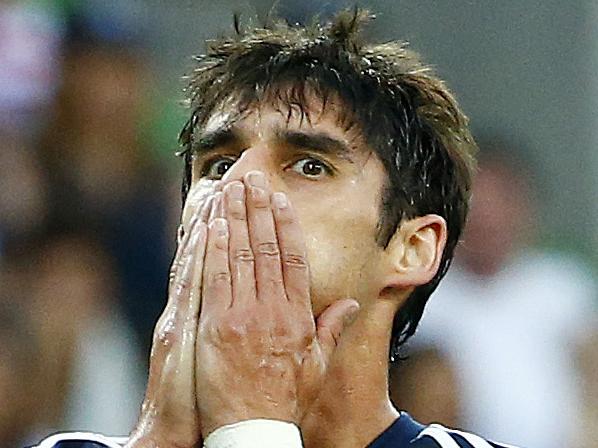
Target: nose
[258, 158]
[252, 159]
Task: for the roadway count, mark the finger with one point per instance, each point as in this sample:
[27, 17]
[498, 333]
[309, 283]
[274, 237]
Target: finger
[262, 236]
[177, 262]
[181, 266]
[199, 255]
[292, 248]
[183, 238]
[241, 259]
[216, 284]
[168, 334]
[217, 210]
[180, 274]
[172, 330]
[333, 321]
[206, 210]
[189, 306]
[173, 333]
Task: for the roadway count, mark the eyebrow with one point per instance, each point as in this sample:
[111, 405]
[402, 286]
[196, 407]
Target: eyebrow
[215, 139]
[318, 142]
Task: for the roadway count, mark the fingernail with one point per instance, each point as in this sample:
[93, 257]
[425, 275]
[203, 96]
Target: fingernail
[280, 200]
[256, 179]
[352, 314]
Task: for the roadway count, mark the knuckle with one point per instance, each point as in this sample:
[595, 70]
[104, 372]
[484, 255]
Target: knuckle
[221, 244]
[181, 286]
[230, 330]
[166, 338]
[280, 330]
[166, 334]
[268, 248]
[243, 255]
[178, 263]
[231, 333]
[261, 205]
[275, 282]
[238, 212]
[219, 278]
[295, 260]
[278, 323]
[174, 269]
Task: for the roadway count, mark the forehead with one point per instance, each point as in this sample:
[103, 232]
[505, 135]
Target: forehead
[275, 111]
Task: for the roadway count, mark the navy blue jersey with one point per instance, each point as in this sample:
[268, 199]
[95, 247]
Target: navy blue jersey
[407, 433]
[403, 433]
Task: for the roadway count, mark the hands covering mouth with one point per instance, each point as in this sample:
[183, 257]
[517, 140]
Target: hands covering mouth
[238, 339]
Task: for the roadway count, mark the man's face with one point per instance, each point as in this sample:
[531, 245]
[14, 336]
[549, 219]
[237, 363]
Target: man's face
[330, 176]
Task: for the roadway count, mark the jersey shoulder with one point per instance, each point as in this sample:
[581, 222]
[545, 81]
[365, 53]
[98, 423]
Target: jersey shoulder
[81, 440]
[438, 436]
[406, 432]
[409, 434]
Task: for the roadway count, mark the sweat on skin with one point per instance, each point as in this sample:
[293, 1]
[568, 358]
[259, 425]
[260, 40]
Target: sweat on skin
[338, 210]
[373, 159]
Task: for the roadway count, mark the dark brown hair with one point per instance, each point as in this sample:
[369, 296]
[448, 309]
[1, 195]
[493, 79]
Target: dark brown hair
[404, 112]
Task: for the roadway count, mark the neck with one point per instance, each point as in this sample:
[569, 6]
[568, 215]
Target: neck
[354, 406]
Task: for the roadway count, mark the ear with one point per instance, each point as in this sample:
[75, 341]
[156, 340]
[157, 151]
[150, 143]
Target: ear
[415, 251]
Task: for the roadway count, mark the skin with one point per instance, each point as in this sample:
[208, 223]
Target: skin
[257, 320]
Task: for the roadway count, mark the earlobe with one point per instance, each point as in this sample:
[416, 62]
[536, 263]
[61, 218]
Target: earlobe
[415, 251]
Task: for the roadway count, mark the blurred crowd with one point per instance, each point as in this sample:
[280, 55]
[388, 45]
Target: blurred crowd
[87, 219]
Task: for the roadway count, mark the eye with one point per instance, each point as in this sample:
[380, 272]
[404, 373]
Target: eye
[311, 168]
[215, 169]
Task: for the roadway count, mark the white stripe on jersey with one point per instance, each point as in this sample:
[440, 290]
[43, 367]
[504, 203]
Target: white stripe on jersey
[440, 435]
[474, 440]
[110, 442]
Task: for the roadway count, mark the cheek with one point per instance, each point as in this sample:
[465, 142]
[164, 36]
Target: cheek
[342, 253]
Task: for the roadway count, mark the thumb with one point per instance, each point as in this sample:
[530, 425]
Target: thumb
[332, 321]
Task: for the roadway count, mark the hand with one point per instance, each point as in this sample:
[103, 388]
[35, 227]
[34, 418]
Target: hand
[169, 415]
[260, 353]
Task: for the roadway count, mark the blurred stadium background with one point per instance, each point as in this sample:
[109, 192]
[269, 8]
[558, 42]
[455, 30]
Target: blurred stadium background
[90, 95]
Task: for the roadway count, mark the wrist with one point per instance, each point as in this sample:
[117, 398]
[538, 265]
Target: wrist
[143, 441]
[155, 430]
[212, 421]
[154, 440]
